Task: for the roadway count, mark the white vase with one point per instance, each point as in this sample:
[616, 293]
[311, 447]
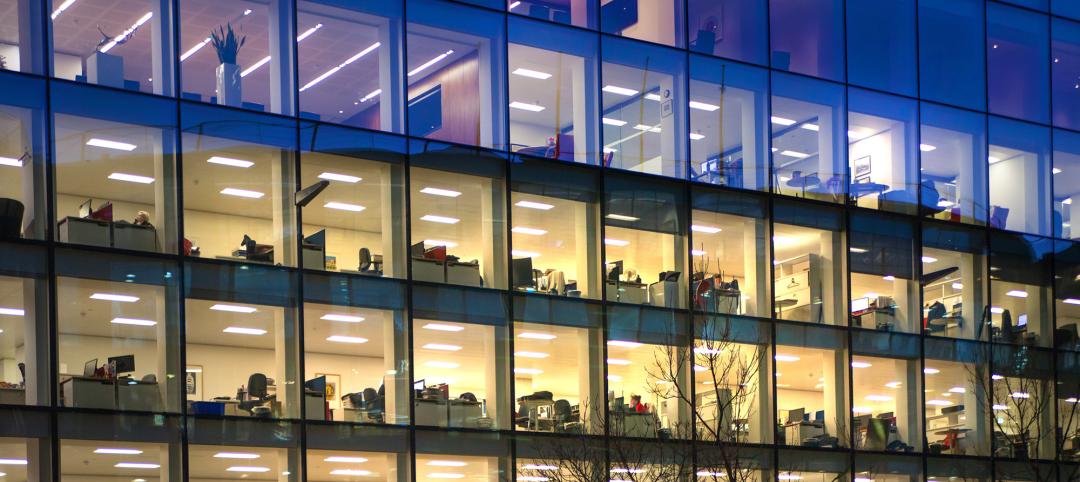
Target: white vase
[228, 85]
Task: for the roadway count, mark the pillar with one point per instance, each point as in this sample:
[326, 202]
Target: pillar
[35, 297]
[907, 403]
[392, 97]
[169, 373]
[32, 20]
[837, 414]
[493, 227]
[287, 380]
[497, 377]
[493, 104]
[587, 247]
[166, 208]
[392, 216]
[755, 283]
[282, 34]
[831, 272]
[283, 189]
[162, 47]
[397, 379]
[586, 131]
[674, 135]
[590, 381]
[974, 301]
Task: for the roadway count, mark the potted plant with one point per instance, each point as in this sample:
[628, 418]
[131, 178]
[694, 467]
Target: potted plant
[227, 44]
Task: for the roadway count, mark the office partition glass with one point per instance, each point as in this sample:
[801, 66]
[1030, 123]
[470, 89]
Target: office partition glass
[661, 22]
[553, 82]
[257, 74]
[1066, 295]
[644, 240]
[1064, 72]
[239, 186]
[1021, 394]
[118, 325]
[808, 135]
[944, 468]
[1066, 165]
[1020, 300]
[1068, 410]
[643, 109]
[555, 237]
[729, 253]
[119, 447]
[1017, 74]
[356, 453]
[957, 411]
[811, 386]
[355, 350]
[884, 279]
[886, 388]
[119, 45]
[732, 394]
[806, 37]
[355, 49]
[808, 264]
[734, 30]
[21, 24]
[22, 157]
[889, 468]
[649, 374]
[115, 169]
[727, 104]
[881, 45]
[580, 13]
[24, 347]
[953, 281]
[1020, 171]
[241, 341]
[953, 170]
[455, 77]
[356, 225]
[952, 52]
[882, 156]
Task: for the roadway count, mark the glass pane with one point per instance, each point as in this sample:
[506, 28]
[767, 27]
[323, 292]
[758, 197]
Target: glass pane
[580, 13]
[734, 30]
[22, 51]
[729, 254]
[952, 52]
[642, 378]
[732, 391]
[218, 462]
[1020, 390]
[808, 265]
[957, 418]
[1019, 162]
[884, 285]
[1065, 72]
[1020, 273]
[808, 135]
[811, 393]
[882, 158]
[953, 146]
[561, 393]
[953, 282]
[660, 21]
[807, 37]
[1016, 70]
[22, 157]
[24, 348]
[881, 45]
[886, 388]
[1066, 166]
[1067, 295]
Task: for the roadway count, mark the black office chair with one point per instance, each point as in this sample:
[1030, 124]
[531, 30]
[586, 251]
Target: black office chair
[257, 394]
[467, 396]
[365, 259]
[11, 214]
[563, 416]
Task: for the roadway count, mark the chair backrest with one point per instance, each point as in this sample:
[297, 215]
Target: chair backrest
[365, 259]
[564, 147]
[562, 408]
[257, 385]
[11, 214]
[468, 396]
[370, 395]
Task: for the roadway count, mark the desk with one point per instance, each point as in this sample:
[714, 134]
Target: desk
[12, 396]
[449, 413]
[228, 408]
[634, 424]
[110, 394]
[315, 407]
[664, 293]
[453, 272]
[946, 325]
[796, 432]
[626, 292]
[95, 232]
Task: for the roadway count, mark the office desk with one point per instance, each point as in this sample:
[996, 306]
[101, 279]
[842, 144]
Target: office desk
[110, 394]
[634, 424]
[796, 432]
[453, 272]
[13, 396]
[229, 408]
[315, 407]
[91, 232]
[134, 236]
[448, 413]
[136, 395]
[626, 292]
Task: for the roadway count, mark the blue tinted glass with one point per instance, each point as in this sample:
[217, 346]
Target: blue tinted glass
[659, 21]
[1066, 174]
[734, 29]
[579, 13]
[953, 164]
[951, 52]
[1065, 48]
[881, 134]
[808, 138]
[1036, 4]
[881, 44]
[1068, 8]
[1017, 72]
[1019, 170]
[807, 37]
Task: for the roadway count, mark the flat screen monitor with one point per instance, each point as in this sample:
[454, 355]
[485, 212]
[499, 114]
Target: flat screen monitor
[89, 368]
[425, 112]
[523, 273]
[420, 384]
[86, 208]
[859, 305]
[796, 415]
[1021, 323]
[124, 364]
[316, 385]
[317, 239]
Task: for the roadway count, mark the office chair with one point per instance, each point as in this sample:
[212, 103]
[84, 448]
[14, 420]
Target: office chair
[467, 396]
[258, 395]
[563, 415]
[11, 214]
[365, 259]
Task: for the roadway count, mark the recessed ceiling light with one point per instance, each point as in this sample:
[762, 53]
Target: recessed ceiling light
[781, 120]
[119, 176]
[653, 97]
[434, 191]
[528, 371]
[244, 331]
[446, 463]
[786, 358]
[622, 217]
[1017, 293]
[533, 205]
[931, 371]
[370, 95]
[10, 161]
[114, 297]
[531, 354]
[528, 230]
[616, 242]
[248, 469]
[701, 228]
[228, 161]
[351, 472]
[432, 218]
[1055, 170]
[111, 451]
[893, 384]
[928, 259]
[624, 343]
[107, 144]
[442, 364]
[439, 242]
[939, 403]
[696, 137]
[236, 455]
[342, 318]
[519, 253]
[698, 252]
[356, 340]
[345, 460]
[926, 147]
[12, 461]
[536, 336]
[643, 127]
[233, 308]
[332, 176]
[333, 70]
[795, 154]
[613, 122]
[431, 62]
[535, 74]
[1071, 301]
[344, 206]
[230, 191]
[539, 467]
[614, 89]
[136, 465]
[526, 106]
[12, 311]
[442, 327]
[132, 321]
[703, 106]
[614, 378]
[618, 361]
[860, 364]
[993, 159]
[441, 347]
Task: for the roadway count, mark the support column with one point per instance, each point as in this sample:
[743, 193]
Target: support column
[286, 359]
[755, 299]
[590, 386]
[587, 247]
[171, 460]
[831, 272]
[837, 414]
[493, 227]
[38, 460]
[288, 465]
[283, 187]
[907, 408]
[35, 207]
[977, 439]
[35, 298]
[170, 375]
[32, 18]
[163, 50]
[585, 102]
[674, 136]
[166, 209]
[763, 421]
[753, 136]
[282, 34]
[905, 294]
[497, 377]
[397, 378]
[392, 212]
[493, 105]
[392, 97]
[971, 311]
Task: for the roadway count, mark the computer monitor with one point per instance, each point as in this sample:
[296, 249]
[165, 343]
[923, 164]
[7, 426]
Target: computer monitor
[103, 213]
[819, 416]
[317, 239]
[89, 368]
[417, 250]
[522, 270]
[1021, 322]
[420, 384]
[86, 208]
[316, 385]
[614, 270]
[124, 364]
[859, 305]
[796, 415]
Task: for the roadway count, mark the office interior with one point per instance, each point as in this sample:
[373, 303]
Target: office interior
[1016, 159]
[885, 414]
[952, 144]
[733, 397]
[727, 252]
[1066, 165]
[956, 420]
[806, 268]
[807, 135]
[881, 133]
[727, 124]
[646, 370]
[810, 397]
[555, 242]
[556, 369]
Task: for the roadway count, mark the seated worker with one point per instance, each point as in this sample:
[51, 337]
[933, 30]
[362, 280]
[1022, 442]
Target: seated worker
[636, 405]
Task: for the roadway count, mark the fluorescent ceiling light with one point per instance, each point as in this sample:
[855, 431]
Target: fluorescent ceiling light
[109, 451]
[514, 5]
[119, 176]
[1071, 301]
[194, 49]
[926, 147]
[248, 469]
[857, 250]
[652, 97]
[643, 127]
[445, 475]
[107, 144]
[519, 253]
[332, 176]
[228, 161]
[621, 217]
[993, 160]
[442, 327]
[700, 228]
[126, 33]
[939, 403]
[345, 460]
[931, 371]
[623, 343]
[893, 384]
[526, 106]
[114, 297]
[528, 230]
[442, 364]
[861, 364]
[703, 106]
[430, 62]
[533, 205]
[439, 242]
[613, 122]
[539, 467]
[998, 406]
[879, 398]
[132, 321]
[1016, 293]
[928, 259]
[781, 120]
[307, 33]
[61, 8]
[342, 318]
[1020, 395]
[795, 154]
[957, 390]
[810, 127]
[1055, 170]
[536, 336]
[614, 89]
[694, 136]
[944, 203]
[370, 95]
[432, 218]
[10, 161]
[266, 60]
[531, 354]
[434, 191]
[534, 74]
[12, 312]
[996, 377]
[356, 340]
[1067, 201]
[528, 371]
[698, 252]
[786, 358]
[446, 463]
[351, 472]
[957, 286]
[857, 135]
[244, 193]
[344, 206]
[12, 461]
[244, 331]
[889, 278]
[136, 465]
[618, 361]
[614, 378]
[233, 308]
[340, 66]
[236, 455]
[616, 242]
[441, 347]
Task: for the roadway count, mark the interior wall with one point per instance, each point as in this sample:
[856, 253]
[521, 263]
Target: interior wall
[460, 100]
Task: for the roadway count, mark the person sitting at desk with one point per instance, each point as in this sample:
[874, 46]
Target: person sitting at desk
[142, 218]
[636, 406]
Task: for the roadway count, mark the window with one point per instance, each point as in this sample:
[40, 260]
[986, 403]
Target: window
[455, 74]
[727, 124]
[555, 238]
[1068, 410]
[468, 456]
[356, 453]
[643, 108]
[1022, 399]
[952, 52]
[1020, 273]
[117, 332]
[882, 156]
[24, 305]
[1016, 70]
[886, 388]
[660, 21]
[731, 376]
[103, 447]
[368, 68]
[356, 224]
[808, 264]
[1065, 72]
[115, 169]
[881, 45]
[884, 282]
[28, 449]
[957, 415]
[552, 80]
[807, 37]
[1066, 165]
[889, 468]
[944, 468]
[734, 30]
[262, 452]
[580, 13]
[1067, 295]
[728, 252]
[953, 281]
[953, 170]
[811, 378]
[808, 135]
[239, 186]
[1019, 162]
[23, 52]
[811, 466]
[22, 157]
[644, 240]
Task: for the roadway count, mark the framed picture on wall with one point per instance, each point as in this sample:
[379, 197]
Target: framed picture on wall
[333, 384]
[862, 168]
[193, 382]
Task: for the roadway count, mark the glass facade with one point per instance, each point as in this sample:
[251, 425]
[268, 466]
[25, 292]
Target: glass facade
[539, 240]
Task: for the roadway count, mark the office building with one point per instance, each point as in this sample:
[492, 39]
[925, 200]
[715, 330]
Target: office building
[539, 240]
